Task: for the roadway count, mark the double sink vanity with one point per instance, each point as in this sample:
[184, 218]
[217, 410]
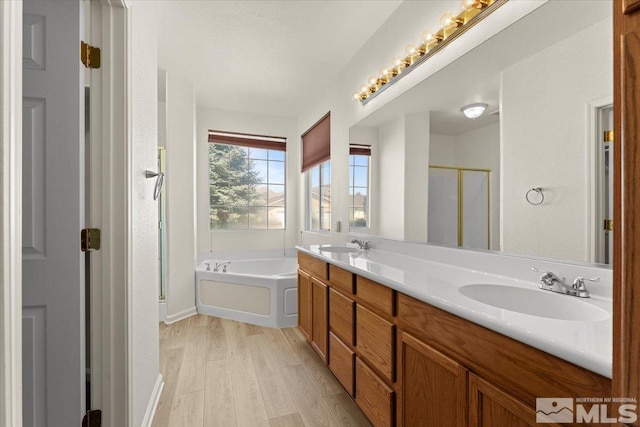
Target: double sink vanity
[416, 341]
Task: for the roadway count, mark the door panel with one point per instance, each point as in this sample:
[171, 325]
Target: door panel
[53, 175]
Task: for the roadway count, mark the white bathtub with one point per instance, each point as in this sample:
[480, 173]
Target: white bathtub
[262, 291]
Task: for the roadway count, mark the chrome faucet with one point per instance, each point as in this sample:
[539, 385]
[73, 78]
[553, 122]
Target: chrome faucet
[362, 244]
[222, 265]
[208, 264]
[551, 282]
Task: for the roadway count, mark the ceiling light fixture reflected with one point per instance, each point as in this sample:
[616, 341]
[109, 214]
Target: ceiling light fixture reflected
[473, 111]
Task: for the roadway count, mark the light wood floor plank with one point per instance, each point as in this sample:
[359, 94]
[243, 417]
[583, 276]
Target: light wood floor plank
[219, 404]
[292, 420]
[170, 364]
[187, 410]
[312, 409]
[217, 345]
[345, 411]
[220, 372]
[275, 394]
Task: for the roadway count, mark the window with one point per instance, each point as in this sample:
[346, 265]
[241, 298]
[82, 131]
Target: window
[316, 164]
[246, 182]
[359, 186]
[319, 192]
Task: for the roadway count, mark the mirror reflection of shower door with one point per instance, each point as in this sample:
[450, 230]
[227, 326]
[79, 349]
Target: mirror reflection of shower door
[459, 200]
[442, 216]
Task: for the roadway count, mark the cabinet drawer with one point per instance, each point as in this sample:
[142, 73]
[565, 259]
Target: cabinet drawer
[373, 396]
[341, 316]
[375, 295]
[375, 341]
[342, 279]
[342, 362]
[314, 266]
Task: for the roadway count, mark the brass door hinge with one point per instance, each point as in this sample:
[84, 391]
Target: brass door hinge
[90, 239]
[89, 55]
[608, 136]
[608, 224]
[92, 419]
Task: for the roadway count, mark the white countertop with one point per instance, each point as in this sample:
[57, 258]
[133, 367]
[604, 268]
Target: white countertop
[585, 343]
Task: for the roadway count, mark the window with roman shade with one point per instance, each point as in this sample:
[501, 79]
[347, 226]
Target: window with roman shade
[247, 181]
[316, 155]
[316, 143]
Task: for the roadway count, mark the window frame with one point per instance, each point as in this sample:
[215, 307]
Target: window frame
[249, 142]
[352, 187]
[309, 198]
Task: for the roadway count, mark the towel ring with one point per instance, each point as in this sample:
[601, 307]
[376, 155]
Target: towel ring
[535, 190]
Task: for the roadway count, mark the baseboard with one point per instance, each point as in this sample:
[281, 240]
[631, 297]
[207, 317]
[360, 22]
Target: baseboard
[173, 318]
[153, 402]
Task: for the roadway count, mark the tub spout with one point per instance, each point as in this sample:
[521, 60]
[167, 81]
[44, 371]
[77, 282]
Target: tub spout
[222, 265]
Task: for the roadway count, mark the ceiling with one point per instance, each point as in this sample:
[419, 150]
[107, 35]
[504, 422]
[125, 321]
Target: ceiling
[263, 56]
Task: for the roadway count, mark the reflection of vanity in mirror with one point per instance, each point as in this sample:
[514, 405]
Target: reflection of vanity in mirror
[530, 176]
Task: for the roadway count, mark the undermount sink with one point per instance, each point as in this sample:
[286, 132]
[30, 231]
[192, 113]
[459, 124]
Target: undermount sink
[338, 249]
[534, 302]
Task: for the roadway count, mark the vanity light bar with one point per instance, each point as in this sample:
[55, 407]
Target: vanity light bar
[451, 26]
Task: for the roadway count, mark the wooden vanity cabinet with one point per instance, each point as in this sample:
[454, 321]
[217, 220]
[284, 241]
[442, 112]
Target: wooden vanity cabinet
[408, 363]
[432, 386]
[304, 304]
[490, 406]
[320, 319]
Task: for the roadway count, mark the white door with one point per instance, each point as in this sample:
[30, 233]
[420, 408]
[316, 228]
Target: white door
[53, 207]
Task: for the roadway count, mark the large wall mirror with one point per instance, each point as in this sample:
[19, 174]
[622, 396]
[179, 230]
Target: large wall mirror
[530, 176]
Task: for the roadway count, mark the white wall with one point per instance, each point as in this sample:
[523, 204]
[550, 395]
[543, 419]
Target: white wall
[391, 178]
[553, 87]
[258, 124]
[479, 148]
[416, 176]
[180, 196]
[143, 324]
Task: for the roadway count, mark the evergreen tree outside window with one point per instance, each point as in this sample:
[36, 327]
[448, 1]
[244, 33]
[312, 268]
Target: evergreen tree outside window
[247, 185]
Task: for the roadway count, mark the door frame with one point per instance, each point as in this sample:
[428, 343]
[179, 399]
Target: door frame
[10, 214]
[112, 192]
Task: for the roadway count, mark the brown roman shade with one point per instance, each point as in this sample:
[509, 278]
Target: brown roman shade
[248, 140]
[359, 149]
[316, 143]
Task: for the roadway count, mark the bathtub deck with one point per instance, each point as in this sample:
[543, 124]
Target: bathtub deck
[221, 372]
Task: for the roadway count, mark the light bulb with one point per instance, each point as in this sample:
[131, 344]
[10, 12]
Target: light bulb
[357, 96]
[364, 89]
[373, 81]
[410, 50]
[429, 37]
[449, 20]
[384, 71]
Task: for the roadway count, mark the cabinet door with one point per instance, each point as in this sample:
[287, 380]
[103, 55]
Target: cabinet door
[492, 407]
[320, 318]
[373, 396]
[433, 386]
[304, 304]
[342, 362]
[341, 316]
[375, 341]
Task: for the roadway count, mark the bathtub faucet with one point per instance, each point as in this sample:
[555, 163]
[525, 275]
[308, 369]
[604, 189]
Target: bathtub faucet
[222, 265]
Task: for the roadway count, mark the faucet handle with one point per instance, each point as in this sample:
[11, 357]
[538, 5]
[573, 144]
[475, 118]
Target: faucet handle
[549, 275]
[579, 282]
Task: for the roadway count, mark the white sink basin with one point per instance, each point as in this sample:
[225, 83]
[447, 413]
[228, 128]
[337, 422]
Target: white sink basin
[534, 302]
[338, 249]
